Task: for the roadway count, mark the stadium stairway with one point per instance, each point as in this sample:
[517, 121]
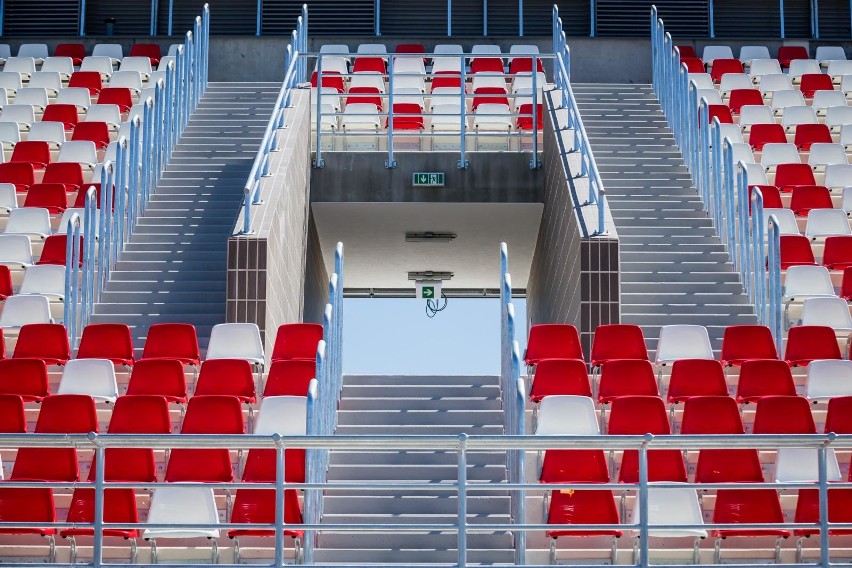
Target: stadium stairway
[674, 269]
[173, 268]
[419, 406]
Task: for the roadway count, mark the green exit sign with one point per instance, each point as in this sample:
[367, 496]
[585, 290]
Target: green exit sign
[428, 179]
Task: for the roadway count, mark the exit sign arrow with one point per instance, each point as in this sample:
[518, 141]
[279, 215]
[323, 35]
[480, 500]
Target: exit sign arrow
[428, 179]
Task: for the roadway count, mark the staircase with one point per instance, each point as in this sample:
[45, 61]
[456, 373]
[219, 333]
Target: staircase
[173, 268]
[674, 269]
[412, 405]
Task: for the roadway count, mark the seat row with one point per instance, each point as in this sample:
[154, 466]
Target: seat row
[786, 54]
[171, 502]
[77, 51]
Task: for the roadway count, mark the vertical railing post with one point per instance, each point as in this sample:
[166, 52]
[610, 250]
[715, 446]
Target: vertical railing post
[377, 17]
[257, 25]
[280, 499]
[90, 215]
[644, 560]
[390, 162]
[318, 161]
[462, 501]
[312, 455]
[781, 15]
[82, 18]
[304, 32]
[450, 20]
[824, 549]
[775, 291]
[730, 200]
[521, 18]
[743, 232]
[534, 161]
[171, 16]
[152, 27]
[758, 238]
[463, 163]
[100, 467]
[815, 19]
[711, 16]
[484, 18]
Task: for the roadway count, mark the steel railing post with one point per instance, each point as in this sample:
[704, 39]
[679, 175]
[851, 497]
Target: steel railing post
[390, 162]
[463, 163]
[462, 501]
[100, 460]
[534, 162]
[318, 161]
[280, 499]
[644, 533]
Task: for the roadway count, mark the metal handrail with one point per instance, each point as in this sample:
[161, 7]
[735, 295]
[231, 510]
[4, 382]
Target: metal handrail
[581, 144]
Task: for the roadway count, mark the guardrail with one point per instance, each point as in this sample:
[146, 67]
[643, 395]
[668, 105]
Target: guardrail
[588, 166]
[323, 399]
[126, 183]
[295, 73]
[514, 401]
[736, 211]
[463, 445]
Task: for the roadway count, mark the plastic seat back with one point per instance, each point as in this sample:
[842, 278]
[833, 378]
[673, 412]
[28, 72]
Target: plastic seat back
[20, 310]
[838, 419]
[784, 415]
[828, 379]
[553, 341]
[696, 377]
[6, 289]
[230, 377]
[90, 80]
[722, 66]
[618, 341]
[560, 377]
[158, 377]
[206, 415]
[137, 414]
[149, 50]
[683, 342]
[258, 506]
[741, 97]
[748, 506]
[172, 341]
[289, 377]
[745, 342]
[97, 132]
[24, 378]
[32, 152]
[12, 417]
[236, 341]
[49, 196]
[808, 197]
[809, 134]
[582, 507]
[92, 377]
[15, 250]
[76, 51]
[788, 176]
[45, 341]
[764, 377]
[33, 218]
[829, 311]
[763, 134]
[110, 341]
[297, 341]
[788, 53]
[837, 254]
[626, 377]
[813, 82]
[806, 343]
[69, 174]
[285, 415]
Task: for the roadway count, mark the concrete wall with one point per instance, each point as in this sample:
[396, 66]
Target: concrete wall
[316, 277]
[573, 279]
[362, 177]
[274, 256]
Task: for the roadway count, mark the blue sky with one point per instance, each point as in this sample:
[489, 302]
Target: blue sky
[391, 336]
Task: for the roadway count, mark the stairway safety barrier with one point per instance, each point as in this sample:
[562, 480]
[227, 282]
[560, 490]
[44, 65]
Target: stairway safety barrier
[823, 446]
[295, 73]
[323, 398]
[514, 401]
[588, 166]
[722, 184]
[126, 183]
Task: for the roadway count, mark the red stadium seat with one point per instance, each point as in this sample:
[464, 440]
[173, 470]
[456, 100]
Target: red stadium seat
[27, 506]
[330, 79]
[796, 251]
[367, 95]
[486, 65]
[158, 377]
[722, 112]
[206, 415]
[59, 414]
[809, 134]
[50, 196]
[746, 342]
[54, 251]
[806, 343]
[748, 506]
[837, 254]
[686, 51]
[560, 377]
[80, 201]
[369, 65]
[489, 95]
[119, 507]
[762, 134]
[45, 341]
[618, 341]
[784, 415]
[414, 120]
[297, 341]
[69, 174]
[696, 377]
[446, 80]
[520, 65]
[742, 97]
[33, 152]
[137, 414]
[626, 377]
[260, 466]
[258, 506]
[116, 96]
[807, 197]
[771, 196]
[764, 377]
[846, 284]
[12, 417]
[574, 466]
[722, 66]
[88, 80]
[839, 510]
[720, 415]
[645, 415]
[787, 53]
[838, 419]
[693, 64]
[813, 82]
[172, 341]
[289, 377]
[97, 132]
[25, 378]
[582, 507]
[107, 341]
[525, 122]
[5, 286]
[787, 176]
[229, 377]
[76, 51]
[149, 50]
[552, 341]
[64, 113]
[410, 48]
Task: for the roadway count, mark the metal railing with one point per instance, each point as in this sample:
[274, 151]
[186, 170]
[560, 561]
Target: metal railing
[514, 404]
[581, 144]
[323, 399]
[126, 183]
[295, 73]
[823, 446]
[736, 211]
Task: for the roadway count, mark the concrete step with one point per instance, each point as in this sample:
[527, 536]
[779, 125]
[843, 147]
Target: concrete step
[415, 457]
[414, 473]
[416, 403]
[432, 543]
[408, 417]
[371, 505]
[406, 557]
[396, 380]
[422, 391]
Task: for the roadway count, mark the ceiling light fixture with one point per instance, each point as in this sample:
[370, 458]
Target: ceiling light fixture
[430, 275]
[429, 236]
